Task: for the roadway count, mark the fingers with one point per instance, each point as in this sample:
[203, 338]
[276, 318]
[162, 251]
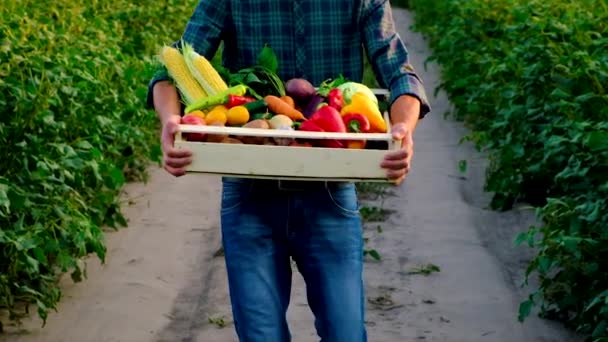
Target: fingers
[178, 153]
[395, 164]
[177, 172]
[178, 162]
[397, 155]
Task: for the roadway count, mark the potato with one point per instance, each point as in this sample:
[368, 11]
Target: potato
[229, 140]
[216, 138]
[259, 124]
[269, 141]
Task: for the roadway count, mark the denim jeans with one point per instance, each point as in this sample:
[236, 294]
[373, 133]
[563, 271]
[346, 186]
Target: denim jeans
[264, 224]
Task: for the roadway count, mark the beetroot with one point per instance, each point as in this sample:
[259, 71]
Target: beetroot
[300, 90]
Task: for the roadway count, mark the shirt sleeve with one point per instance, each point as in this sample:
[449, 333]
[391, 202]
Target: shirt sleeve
[388, 54]
[204, 31]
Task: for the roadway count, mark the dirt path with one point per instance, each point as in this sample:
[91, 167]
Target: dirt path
[163, 281]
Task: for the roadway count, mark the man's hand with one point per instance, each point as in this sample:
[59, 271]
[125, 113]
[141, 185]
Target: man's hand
[174, 160]
[397, 162]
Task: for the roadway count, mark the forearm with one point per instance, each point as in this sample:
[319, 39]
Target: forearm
[406, 109]
[392, 64]
[166, 101]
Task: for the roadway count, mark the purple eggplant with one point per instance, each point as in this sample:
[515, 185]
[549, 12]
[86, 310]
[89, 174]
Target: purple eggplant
[313, 105]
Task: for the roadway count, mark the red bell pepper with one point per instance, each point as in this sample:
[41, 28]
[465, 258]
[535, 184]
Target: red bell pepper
[312, 126]
[335, 98]
[234, 100]
[329, 119]
[356, 123]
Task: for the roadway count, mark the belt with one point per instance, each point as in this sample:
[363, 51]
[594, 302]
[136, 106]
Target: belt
[296, 185]
[293, 185]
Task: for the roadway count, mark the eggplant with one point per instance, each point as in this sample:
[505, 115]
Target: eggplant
[313, 105]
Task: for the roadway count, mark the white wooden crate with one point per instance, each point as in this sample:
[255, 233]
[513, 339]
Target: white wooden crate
[287, 162]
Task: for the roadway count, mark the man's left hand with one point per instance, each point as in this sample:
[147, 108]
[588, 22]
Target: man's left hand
[397, 162]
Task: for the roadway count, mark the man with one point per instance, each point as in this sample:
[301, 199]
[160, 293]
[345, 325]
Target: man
[265, 223]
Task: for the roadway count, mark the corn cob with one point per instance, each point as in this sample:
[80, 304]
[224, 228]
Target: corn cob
[203, 71]
[176, 65]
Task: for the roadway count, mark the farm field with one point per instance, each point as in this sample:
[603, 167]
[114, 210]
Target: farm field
[78, 160]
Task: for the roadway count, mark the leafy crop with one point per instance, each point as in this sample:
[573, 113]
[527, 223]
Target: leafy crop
[530, 78]
[73, 80]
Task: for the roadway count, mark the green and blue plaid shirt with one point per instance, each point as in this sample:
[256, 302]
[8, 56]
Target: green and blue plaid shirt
[313, 39]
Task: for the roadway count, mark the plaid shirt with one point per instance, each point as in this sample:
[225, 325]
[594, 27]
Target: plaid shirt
[313, 39]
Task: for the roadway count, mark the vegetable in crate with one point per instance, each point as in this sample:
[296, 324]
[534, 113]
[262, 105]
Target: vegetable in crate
[349, 89]
[283, 122]
[280, 121]
[235, 100]
[191, 119]
[300, 90]
[258, 124]
[289, 100]
[356, 123]
[221, 98]
[217, 115]
[278, 106]
[256, 107]
[237, 116]
[335, 98]
[310, 126]
[361, 104]
[185, 82]
[327, 119]
[203, 71]
[198, 113]
[313, 105]
[216, 137]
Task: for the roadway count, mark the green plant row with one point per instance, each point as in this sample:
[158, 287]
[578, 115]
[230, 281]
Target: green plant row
[530, 78]
[73, 129]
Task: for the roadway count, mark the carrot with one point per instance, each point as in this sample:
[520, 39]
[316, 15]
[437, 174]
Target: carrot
[278, 106]
[289, 100]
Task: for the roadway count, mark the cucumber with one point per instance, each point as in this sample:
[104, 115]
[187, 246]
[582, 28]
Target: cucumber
[256, 106]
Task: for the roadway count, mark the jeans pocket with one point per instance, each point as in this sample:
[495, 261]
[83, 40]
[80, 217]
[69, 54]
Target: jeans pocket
[234, 193]
[344, 198]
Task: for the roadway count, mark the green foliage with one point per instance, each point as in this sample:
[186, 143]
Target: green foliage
[530, 78]
[73, 80]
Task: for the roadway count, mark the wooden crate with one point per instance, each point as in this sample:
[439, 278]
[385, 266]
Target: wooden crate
[288, 162]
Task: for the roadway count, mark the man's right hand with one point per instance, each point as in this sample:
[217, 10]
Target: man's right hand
[175, 160]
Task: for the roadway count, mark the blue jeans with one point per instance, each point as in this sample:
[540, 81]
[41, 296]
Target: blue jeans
[264, 224]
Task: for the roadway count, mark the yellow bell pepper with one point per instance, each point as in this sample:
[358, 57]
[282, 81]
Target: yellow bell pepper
[361, 104]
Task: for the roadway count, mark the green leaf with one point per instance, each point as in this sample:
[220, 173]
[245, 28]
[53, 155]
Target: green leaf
[601, 330]
[597, 141]
[462, 166]
[84, 145]
[115, 178]
[33, 264]
[524, 310]
[268, 59]
[4, 201]
[374, 254]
